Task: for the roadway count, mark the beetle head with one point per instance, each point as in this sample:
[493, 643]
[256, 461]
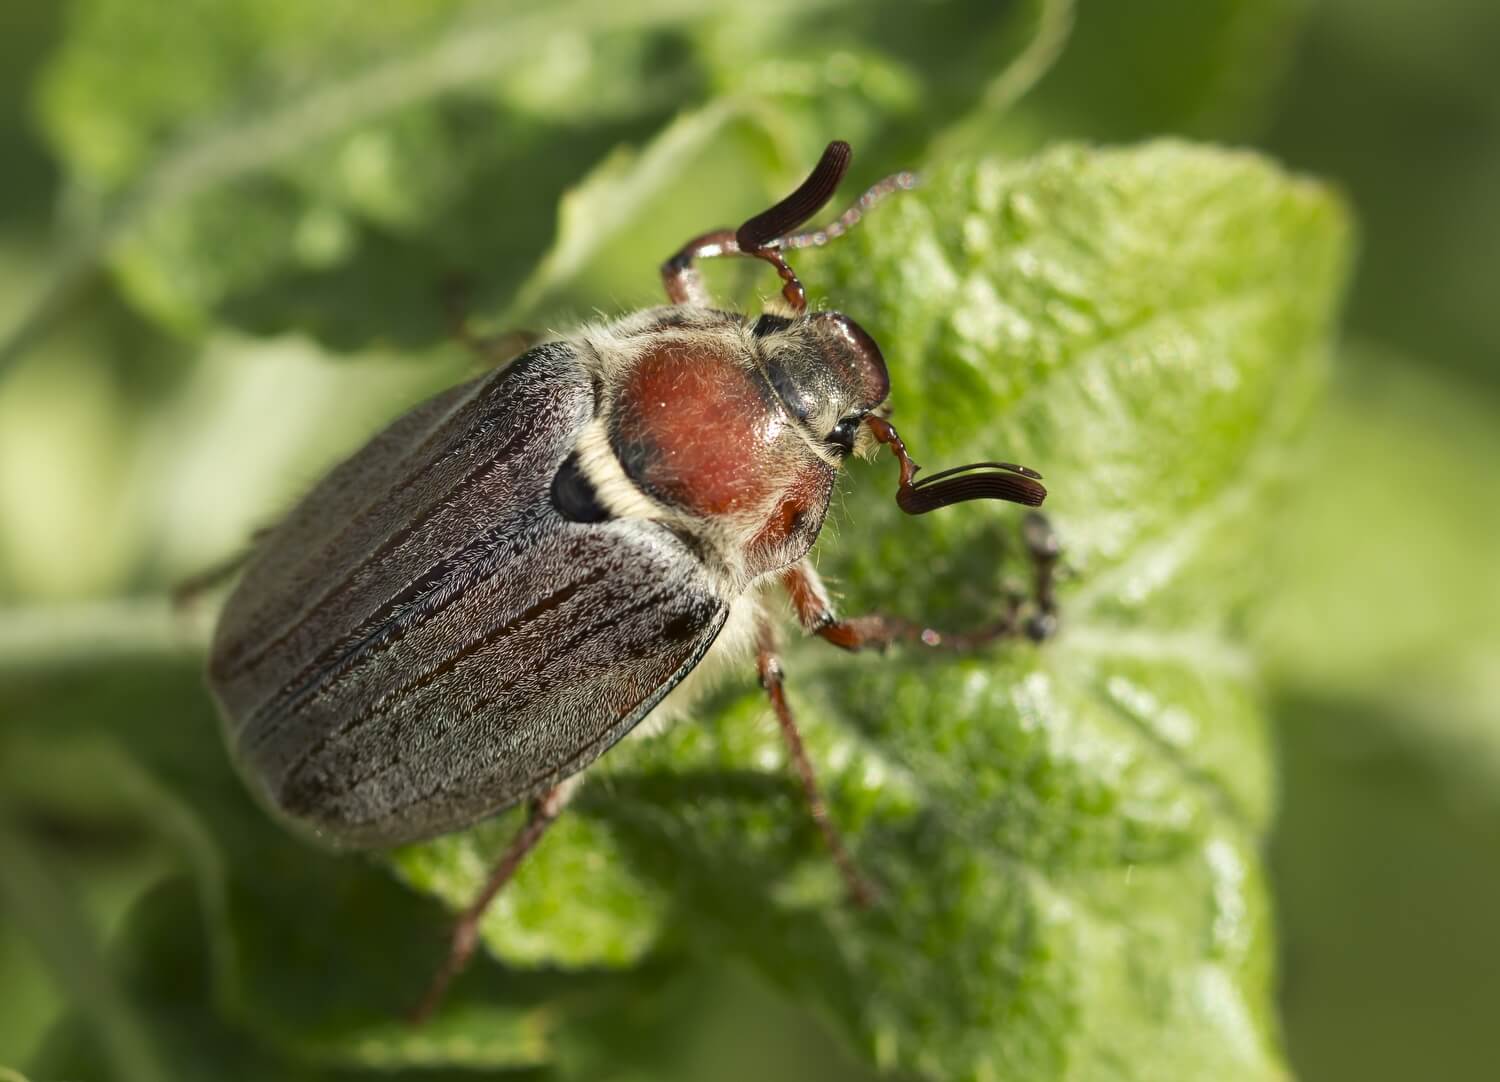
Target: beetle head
[827, 371]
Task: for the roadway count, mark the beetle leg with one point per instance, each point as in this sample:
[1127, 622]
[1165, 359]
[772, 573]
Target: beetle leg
[189, 591]
[773, 229]
[544, 812]
[492, 350]
[760, 237]
[684, 285]
[772, 679]
[876, 631]
[1045, 549]
[679, 274]
[186, 593]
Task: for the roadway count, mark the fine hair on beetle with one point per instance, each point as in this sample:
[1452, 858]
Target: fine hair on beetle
[512, 576]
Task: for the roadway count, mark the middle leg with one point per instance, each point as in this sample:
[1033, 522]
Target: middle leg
[861, 892]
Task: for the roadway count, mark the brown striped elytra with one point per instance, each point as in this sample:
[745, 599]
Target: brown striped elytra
[509, 578]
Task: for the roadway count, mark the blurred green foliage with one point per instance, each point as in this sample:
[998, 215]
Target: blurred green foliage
[221, 241]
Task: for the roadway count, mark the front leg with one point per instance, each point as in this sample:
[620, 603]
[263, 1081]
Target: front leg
[1035, 617]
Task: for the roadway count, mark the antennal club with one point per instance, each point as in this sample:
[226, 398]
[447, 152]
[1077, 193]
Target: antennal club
[976, 481]
[761, 235]
[796, 209]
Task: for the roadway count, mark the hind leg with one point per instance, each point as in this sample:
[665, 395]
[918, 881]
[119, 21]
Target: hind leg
[544, 811]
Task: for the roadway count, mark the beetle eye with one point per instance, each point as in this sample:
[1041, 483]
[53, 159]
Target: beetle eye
[843, 434]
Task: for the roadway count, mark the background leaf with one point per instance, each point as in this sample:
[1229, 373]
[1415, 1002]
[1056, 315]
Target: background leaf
[273, 166]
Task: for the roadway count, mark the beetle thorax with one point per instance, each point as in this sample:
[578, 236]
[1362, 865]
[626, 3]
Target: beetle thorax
[700, 435]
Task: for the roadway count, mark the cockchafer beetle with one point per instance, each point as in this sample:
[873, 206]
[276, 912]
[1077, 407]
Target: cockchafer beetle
[509, 578]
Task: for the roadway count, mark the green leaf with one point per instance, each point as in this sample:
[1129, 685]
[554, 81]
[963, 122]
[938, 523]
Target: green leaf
[168, 985]
[1390, 483]
[1130, 70]
[34, 901]
[1066, 838]
[268, 165]
[243, 161]
[1380, 646]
